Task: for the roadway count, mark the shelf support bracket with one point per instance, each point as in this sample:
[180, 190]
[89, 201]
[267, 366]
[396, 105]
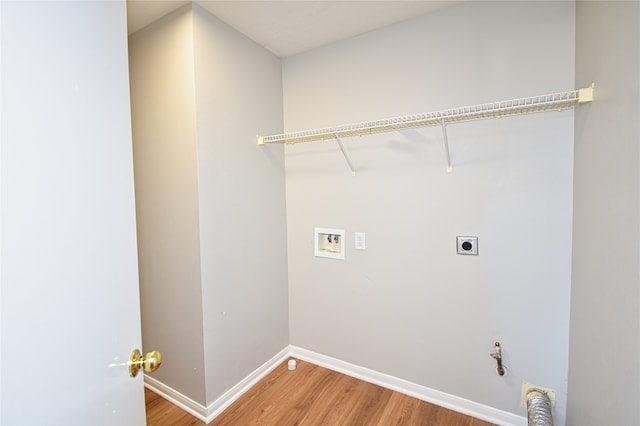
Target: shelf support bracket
[446, 145]
[346, 156]
[586, 94]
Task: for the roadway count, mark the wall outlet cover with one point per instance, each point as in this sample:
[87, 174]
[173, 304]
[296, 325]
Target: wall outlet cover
[360, 241]
[467, 245]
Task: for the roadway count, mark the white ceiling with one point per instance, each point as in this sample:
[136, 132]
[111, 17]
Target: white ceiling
[289, 27]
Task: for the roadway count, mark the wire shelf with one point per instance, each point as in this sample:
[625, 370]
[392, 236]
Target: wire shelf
[534, 104]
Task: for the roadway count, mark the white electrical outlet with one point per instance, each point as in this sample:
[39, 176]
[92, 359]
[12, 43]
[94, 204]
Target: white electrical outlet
[528, 387]
[467, 245]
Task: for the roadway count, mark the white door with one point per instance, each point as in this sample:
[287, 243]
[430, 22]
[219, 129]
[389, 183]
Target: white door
[70, 302]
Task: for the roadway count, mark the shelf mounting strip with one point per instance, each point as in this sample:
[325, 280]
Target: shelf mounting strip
[542, 103]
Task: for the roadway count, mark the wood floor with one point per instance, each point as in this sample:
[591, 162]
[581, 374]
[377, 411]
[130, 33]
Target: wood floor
[312, 395]
[161, 412]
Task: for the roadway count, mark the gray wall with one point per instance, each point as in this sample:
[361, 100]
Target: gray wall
[166, 179]
[604, 374]
[409, 306]
[242, 203]
[211, 205]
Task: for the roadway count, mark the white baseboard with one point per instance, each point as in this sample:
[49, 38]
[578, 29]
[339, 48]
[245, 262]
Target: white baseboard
[423, 393]
[171, 395]
[227, 398]
[210, 412]
[452, 402]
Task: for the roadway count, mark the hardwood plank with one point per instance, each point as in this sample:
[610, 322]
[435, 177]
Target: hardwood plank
[161, 412]
[312, 395]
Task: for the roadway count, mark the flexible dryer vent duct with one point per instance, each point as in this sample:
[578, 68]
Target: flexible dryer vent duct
[539, 409]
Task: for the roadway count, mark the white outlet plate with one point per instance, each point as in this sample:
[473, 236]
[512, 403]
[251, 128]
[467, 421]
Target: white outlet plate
[527, 387]
[360, 243]
[467, 245]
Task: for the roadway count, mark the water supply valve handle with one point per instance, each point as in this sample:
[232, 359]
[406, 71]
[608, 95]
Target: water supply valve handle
[497, 355]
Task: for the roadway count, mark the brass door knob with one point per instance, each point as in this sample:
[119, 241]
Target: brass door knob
[150, 362]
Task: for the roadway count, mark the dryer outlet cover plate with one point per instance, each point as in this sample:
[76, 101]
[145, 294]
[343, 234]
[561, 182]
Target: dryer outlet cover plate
[467, 245]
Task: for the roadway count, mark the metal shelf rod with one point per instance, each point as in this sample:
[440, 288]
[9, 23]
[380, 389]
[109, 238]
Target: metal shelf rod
[446, 146]
[346, 156]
